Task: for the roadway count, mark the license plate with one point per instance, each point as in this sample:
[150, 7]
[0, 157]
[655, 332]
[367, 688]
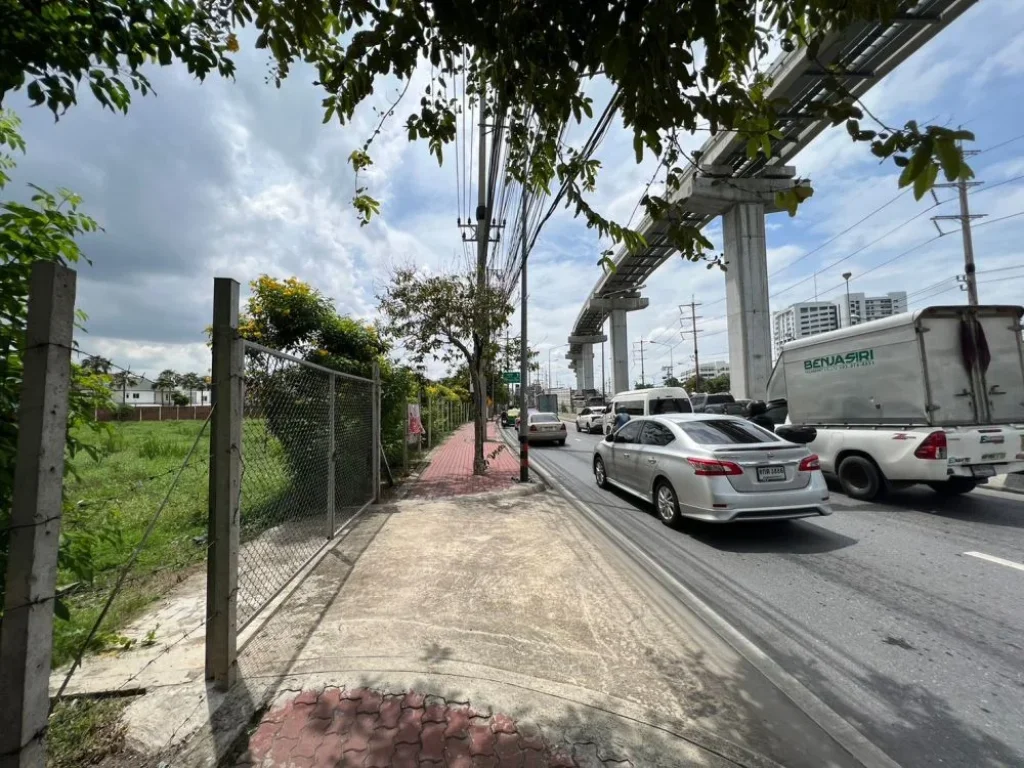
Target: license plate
[770, 474]
[983, 470]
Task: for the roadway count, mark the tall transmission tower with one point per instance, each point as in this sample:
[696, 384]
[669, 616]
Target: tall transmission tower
[688, 318]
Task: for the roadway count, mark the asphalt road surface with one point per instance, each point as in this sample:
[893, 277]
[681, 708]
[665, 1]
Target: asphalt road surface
[878, 609]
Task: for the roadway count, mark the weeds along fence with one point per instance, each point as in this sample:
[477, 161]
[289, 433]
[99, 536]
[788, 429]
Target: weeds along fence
[309, 464]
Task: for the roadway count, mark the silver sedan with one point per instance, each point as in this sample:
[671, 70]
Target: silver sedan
[712, 467]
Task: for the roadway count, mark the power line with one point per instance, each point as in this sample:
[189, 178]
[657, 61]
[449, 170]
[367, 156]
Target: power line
[1001, 144]
[845, 231]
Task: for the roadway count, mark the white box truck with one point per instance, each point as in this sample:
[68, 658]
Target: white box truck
[934, 396]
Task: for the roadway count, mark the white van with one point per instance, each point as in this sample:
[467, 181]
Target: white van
[647, 402]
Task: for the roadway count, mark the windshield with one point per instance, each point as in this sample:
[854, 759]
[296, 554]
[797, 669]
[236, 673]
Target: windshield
[543, 418]
[670, 405]
[726, 431]
[724, 397]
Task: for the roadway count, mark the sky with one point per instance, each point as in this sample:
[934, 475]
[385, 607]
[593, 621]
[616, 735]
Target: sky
[239, 178]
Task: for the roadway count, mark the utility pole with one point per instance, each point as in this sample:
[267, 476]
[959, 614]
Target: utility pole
[482, 241]
[643, 378]
[603, 395]
[693, 318]
[524, 357]
[965, 216]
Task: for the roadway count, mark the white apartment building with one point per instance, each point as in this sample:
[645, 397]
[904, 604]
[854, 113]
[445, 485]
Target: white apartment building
[804, 319]
[708, 370]
[864, 309]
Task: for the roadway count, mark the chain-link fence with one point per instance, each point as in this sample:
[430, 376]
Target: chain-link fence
[308, 466]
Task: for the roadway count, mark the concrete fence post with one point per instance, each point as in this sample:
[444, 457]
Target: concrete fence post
[225, 486]
[26, 634]
[330, 455]
[376, 443]
[430, 422]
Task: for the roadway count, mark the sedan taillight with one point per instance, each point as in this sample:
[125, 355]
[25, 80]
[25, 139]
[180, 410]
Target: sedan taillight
[810, 464]
[563, 426]
[533, 427]
[708, 467]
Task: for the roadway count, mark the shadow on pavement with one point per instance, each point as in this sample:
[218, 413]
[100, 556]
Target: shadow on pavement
[971, 507]
[922, 725]
[791, 537]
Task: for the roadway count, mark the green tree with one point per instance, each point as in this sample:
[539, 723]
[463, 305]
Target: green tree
[676, 68]
[717, 384]
[97, 364]
[671, 381]
[45, 229]
[122, 380]
[294, 317]
[191, 382]
[642, 385]
[166, 383]
[437, 316]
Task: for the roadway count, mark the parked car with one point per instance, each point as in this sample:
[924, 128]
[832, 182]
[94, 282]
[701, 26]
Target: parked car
[704, 402]
[545, 427]
[590, 418]
[509, 417]
[647, 402]
[712, 467]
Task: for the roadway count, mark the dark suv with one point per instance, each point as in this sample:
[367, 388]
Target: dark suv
[710, 403]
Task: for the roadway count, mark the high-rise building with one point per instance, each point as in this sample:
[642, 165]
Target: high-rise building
[804, 319]
[863, 309]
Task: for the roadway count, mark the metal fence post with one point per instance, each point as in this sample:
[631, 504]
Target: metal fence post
[430, 422]
[376, 433]
[405, 437]
[225, 486]
[330, 455]
[26, 634]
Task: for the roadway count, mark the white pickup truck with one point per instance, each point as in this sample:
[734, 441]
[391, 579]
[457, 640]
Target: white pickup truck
[934, 396]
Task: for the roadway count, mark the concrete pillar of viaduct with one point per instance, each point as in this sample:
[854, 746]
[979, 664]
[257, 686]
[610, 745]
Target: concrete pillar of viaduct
[743, 204]
[616, 308]
[584, 359]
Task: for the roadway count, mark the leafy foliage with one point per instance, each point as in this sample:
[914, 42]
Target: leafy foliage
[676, 68]
[292, 316]
[446, 318]
[42, 230]
[50, 47]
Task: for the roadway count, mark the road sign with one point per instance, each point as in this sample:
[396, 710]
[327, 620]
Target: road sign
[510, 377]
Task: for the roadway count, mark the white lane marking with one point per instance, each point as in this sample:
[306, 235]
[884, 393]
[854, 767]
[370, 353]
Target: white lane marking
[994, 559]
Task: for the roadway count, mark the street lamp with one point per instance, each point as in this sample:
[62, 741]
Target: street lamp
[849, 311]
[670, 348]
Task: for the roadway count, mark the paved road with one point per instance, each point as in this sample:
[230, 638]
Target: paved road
[877, 609]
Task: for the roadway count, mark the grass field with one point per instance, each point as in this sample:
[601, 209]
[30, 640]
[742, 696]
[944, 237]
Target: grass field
[109, 504]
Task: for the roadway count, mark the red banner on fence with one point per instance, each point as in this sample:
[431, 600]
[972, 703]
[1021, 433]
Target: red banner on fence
[415, 424]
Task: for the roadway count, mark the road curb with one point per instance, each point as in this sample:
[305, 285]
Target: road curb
[830, 721]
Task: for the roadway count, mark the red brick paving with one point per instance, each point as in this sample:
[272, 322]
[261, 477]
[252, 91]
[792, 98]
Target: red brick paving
[361, 727]
[451, 467]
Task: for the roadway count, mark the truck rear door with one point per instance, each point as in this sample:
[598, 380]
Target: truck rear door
[949, 382]
[1004, 377]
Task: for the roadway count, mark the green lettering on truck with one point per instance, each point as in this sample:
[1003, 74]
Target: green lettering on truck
[836, 362]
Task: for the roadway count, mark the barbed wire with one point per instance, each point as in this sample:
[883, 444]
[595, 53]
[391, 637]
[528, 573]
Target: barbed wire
[130, 563]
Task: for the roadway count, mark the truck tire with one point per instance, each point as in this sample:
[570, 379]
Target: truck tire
[954, 486]
[860, 478]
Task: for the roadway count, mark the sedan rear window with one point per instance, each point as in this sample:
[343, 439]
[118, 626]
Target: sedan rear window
[543, 418]
[725, 431]
[670, 405]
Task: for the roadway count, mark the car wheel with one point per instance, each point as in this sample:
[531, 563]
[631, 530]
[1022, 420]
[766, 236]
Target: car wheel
[954, 486]
[562, 441]
[578, 427]
[666, 504]
[599, 473]
[860, 478]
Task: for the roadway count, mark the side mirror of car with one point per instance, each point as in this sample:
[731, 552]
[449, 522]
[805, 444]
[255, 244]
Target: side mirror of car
[796, 434]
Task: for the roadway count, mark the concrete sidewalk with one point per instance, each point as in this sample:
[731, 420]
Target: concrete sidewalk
[473, 630]
[491, 630]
